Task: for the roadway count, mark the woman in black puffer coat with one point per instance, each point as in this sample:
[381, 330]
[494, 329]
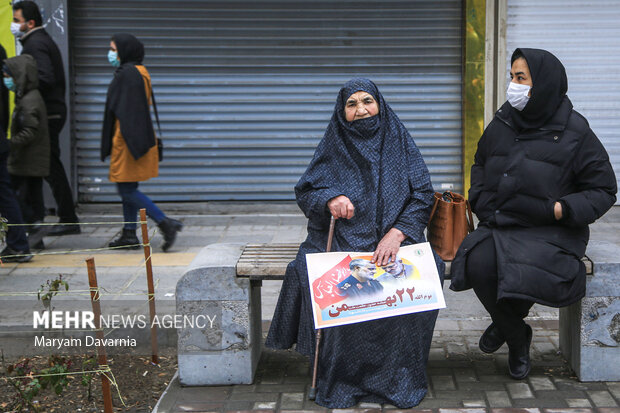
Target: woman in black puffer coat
[540, 177]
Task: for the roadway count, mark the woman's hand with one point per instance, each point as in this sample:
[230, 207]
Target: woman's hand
[557, 211]
[388, 247]
[341, 207]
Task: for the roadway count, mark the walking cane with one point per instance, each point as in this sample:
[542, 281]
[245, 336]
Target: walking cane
[319, 332]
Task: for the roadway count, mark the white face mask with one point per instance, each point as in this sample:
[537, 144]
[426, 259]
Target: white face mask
[15, 29]
[517, 95]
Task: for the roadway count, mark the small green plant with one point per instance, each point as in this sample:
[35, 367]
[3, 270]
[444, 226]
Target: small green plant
[89, 364]
[55, 376]
[48, 290]
[26, 387]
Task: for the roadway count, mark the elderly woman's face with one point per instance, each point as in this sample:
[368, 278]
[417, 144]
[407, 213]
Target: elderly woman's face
[360, 105]
[520, 73]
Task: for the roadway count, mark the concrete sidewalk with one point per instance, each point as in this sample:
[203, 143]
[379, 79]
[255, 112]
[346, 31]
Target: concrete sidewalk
[461, 377]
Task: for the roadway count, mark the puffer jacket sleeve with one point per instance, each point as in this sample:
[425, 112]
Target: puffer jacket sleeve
[595, 182]
[477, 173]
[28, 121]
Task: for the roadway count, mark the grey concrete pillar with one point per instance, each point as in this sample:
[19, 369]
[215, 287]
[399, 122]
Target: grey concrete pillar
[590, 329]
[226, 351]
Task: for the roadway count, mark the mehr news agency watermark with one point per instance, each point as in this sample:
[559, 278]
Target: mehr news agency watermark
[53, 321]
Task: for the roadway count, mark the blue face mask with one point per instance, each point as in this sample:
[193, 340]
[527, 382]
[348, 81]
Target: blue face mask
[9, 83]
[113, 58]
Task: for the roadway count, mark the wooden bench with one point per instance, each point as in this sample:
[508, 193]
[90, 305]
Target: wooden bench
[224, 283]
[269, 261]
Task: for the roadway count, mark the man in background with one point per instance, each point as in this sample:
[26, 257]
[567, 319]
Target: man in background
[27, 27]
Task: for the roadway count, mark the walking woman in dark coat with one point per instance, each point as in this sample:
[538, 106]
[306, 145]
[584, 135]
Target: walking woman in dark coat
[368, 173]
[540, 177]
[129, 140]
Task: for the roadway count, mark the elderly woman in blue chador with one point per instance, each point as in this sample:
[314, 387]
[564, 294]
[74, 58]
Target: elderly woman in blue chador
[368, 173]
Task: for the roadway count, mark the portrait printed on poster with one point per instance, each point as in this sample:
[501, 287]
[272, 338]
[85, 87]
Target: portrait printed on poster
[346, 287]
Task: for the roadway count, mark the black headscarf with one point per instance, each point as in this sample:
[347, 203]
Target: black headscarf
[126, 101]
[549, 88]
[375, 163]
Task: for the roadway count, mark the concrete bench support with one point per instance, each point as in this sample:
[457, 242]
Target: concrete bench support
[590, 329]
[227, 351]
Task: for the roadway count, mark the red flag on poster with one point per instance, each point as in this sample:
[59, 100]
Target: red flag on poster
[325, 291]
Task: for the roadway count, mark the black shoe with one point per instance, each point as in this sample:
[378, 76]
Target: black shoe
[127, 240]
[519, 357]
[169, 228]
[491, 340]
[10, 255]
[64, 229]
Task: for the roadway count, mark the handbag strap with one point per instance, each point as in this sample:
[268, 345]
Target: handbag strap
[470, 221]
[433, 211]
[155, 110]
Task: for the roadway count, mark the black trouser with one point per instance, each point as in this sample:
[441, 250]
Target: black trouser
[57, 178]
[508, 313]
[29, 191]
[10, 209]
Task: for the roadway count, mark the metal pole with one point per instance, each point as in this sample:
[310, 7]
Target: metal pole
[151, 287]
[102, 358]
[319, 332]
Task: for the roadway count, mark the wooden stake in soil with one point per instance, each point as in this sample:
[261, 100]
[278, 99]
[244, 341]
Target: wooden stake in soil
[151, 287]
[102, 358]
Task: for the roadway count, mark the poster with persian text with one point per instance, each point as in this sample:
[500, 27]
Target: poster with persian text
[346, 287]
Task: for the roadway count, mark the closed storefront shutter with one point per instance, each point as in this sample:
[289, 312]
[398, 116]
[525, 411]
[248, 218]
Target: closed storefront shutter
[584, 35]
[245, 89]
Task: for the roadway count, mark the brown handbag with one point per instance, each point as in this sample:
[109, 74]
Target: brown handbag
[448, 224]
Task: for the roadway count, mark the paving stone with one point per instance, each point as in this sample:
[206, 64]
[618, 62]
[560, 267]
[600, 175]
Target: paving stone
[263, 397]
[602, 399]
[519, 390]
[539, 402]
[442, 383]
[394, 409]
[560, 395]
[447, 325]
[465, 375]
[541, 383]
[498, 398]
[569, 411]
[292, 401]
[319, 409]
[482, 386]
[204, 394]
[281, 388]
[474, 403]
[369, 406]
[578, 403]
[264, 405]
[614, 388]
[609, 410]
[516, 410]
[458, 395]
[436, 403]
[197, 407]
[462, 410]
[238, 405]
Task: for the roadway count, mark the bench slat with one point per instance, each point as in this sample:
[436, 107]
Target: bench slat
[269, 261]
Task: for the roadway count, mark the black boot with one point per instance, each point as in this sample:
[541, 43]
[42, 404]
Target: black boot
[491, 340]
[519, 356]
[127, 239]
[169, 228]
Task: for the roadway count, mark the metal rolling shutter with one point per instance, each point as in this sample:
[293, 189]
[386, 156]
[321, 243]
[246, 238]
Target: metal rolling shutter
[245, 89]
[584, 36]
